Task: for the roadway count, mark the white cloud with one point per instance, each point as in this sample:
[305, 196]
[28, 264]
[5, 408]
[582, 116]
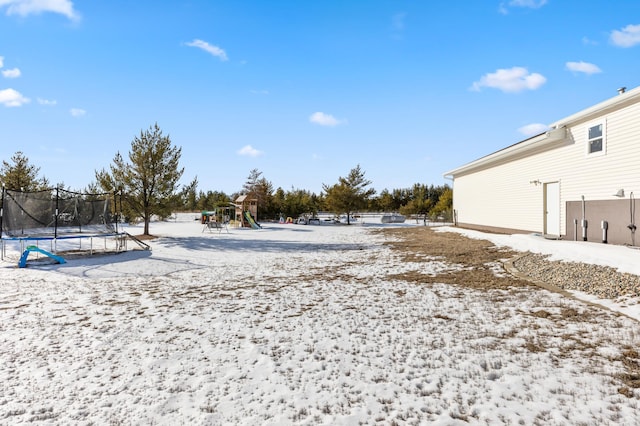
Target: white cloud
[533, 129]
[584, 67]
[532, 4]
[1, 60]
[28, 7]
[77, 112]
[12, 73]
[46, 102]
[627, 37]
[323, 119]
[510, 80]
[249, 151]
[503, 8]
[397, 21]
[214, 50]
[12, 98]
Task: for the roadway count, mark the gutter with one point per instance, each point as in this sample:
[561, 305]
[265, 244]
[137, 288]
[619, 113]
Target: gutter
[617, 102]
[556, 133]
[537, 142]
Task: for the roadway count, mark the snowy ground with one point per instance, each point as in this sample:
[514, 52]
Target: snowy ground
[623, 258]
[297, 324]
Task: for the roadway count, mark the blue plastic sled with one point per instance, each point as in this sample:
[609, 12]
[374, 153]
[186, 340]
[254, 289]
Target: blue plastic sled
[23, 259]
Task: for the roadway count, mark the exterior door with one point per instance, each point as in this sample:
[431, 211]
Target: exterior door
[552, 208]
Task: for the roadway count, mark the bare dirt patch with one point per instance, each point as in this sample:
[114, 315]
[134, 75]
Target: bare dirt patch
[145, 237]
[477, 258]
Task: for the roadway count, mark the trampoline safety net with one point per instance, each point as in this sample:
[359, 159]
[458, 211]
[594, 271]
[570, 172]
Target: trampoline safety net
[53, 213]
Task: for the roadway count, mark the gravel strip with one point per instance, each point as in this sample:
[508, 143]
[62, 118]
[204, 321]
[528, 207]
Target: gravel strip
[601, 281]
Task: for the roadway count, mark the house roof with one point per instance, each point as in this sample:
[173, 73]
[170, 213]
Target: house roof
[556, 134]
[620, 101]
[518, 150]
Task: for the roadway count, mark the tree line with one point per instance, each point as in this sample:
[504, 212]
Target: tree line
[146, 182]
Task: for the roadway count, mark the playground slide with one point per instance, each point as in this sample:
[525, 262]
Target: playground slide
[23, 259]
[252, 222]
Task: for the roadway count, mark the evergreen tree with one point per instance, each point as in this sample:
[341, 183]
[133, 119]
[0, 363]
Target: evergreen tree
[420, 202]
[19, 175]
[350, 194]
[444, 206]
[250, 187]
[385, 202]
[189, 196]
[300, 201]
[258, 188]
[278, 203]
[264, 193]
[212, 199]
[149, 179]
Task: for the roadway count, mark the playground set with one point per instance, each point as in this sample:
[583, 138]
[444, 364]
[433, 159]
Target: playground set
[70, 222]
[245, 212]
[216, 219]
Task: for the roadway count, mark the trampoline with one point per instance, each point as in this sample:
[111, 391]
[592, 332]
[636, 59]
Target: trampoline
[66, 221]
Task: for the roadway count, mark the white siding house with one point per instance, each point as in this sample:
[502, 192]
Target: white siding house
[553, 182]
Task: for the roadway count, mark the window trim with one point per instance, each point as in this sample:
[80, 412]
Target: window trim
[603, 151]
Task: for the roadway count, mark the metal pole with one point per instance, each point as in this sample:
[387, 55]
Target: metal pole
[584, 221]
[632, 213]
[2, 214]
[1, 209]
[115, 208]
[55, 219]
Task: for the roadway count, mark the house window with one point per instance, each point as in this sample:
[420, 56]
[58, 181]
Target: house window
[596, 142]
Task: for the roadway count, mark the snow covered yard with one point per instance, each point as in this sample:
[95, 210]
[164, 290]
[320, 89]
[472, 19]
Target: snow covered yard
[298, 324]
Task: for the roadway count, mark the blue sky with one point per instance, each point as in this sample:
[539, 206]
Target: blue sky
[302, 90]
